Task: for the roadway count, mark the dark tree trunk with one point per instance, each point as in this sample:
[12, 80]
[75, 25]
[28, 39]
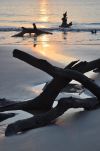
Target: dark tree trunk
[48, 117]
[45, 100]
[4, 116]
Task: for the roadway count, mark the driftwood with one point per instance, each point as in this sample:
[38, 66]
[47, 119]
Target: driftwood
[44, 102]
[48, 117]
[46, 99]
[64, 21]
[34, 30]
[66, 26]
[4, 116]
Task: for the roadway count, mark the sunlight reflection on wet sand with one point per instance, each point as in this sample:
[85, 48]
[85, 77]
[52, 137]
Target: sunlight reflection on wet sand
[51, 50]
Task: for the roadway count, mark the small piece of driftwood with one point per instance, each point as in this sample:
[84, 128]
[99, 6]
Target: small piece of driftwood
[34, 30]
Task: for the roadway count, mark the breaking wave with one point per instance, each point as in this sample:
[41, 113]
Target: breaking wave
[76, 27]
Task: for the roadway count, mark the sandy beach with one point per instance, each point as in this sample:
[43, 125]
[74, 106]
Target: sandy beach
[75, 130]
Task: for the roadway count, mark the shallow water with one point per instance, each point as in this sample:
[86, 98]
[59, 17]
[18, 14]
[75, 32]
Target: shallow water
[85, 16]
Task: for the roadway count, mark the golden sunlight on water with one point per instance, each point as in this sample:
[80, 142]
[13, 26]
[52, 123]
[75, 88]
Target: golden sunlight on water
[44, 17]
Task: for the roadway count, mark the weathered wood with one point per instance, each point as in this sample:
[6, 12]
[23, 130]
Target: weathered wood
[45, 100]
[66, 26]
[88, 83]
[33, 61]
[34, 30]
[64, 21]
[20, 34]
[58, 72]
[48, 117]
[85, 66]
[41, 64]
[4, 102]
[4, 116]
[63, 105]
[39, 31]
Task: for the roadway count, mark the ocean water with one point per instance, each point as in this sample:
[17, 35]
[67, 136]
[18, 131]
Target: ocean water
[19, 81]
[48, 13]
[14, 14]
[60, 48]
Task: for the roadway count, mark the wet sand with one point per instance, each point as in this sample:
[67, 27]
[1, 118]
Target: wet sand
[75, 130]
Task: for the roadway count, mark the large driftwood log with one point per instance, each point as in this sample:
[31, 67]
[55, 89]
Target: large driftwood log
[4, 102]
[48, 117]
[45, 100]
[4, 116]
[50, 69]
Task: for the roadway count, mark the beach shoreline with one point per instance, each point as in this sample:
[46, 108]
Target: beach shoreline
[17, 83]
[76, 129]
